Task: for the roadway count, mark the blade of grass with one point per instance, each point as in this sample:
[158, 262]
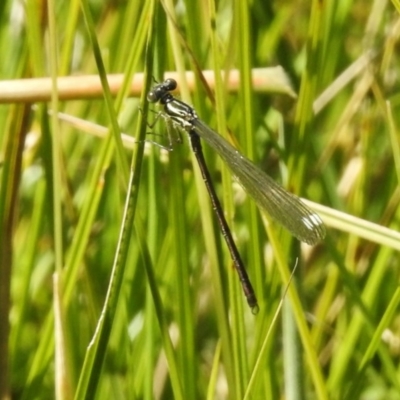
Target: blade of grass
[96, 352]
[10, 179]
[115, 130]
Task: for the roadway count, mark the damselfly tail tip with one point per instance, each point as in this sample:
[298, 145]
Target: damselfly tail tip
[255, 309]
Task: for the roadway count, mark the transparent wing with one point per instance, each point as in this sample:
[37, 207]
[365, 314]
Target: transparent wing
[284, 207]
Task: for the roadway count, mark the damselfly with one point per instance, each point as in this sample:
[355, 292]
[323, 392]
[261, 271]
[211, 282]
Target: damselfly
[284, 207]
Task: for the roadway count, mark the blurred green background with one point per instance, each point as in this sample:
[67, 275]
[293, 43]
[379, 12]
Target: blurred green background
[115, 282]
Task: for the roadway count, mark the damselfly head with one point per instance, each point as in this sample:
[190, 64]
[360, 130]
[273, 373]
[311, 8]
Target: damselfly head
[160, 91]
